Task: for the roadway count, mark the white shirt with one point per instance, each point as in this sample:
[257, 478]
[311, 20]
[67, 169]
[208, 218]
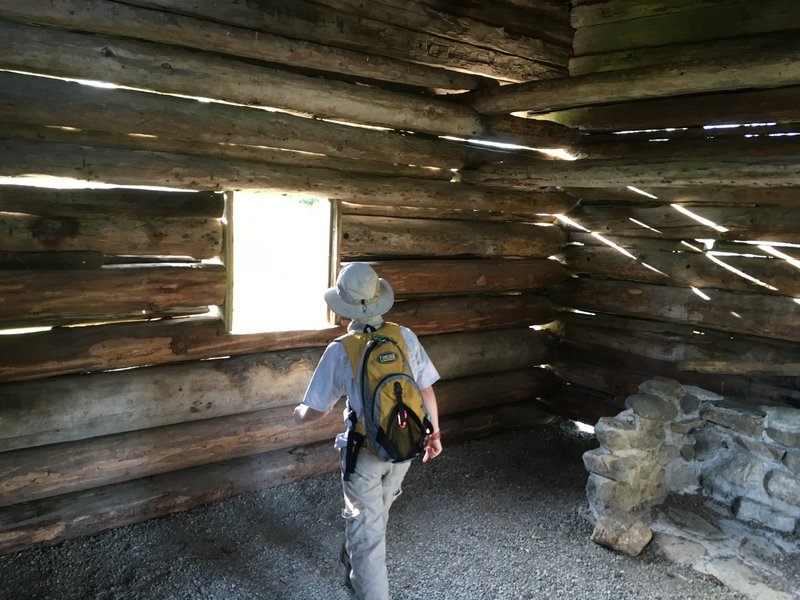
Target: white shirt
[333, 378]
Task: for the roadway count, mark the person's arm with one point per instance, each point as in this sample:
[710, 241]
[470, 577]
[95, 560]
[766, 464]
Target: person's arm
[306, 414]
[433, 447]
[324, 388]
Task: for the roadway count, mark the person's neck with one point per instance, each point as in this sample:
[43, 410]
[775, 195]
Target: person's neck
[358, 325]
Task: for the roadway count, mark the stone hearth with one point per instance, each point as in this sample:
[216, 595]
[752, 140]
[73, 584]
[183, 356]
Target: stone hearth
[713, 483]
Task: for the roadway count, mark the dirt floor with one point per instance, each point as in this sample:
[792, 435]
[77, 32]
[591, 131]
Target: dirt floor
[501, 518]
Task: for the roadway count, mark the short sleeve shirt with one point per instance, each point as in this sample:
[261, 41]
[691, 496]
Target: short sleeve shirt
[333, 377]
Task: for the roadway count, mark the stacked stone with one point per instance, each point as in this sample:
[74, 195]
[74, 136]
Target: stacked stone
[676, 439]
[750, 460]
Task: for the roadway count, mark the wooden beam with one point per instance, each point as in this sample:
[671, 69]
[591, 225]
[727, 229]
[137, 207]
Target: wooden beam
[696, 195]
[381, 237]
[87, 464]
[673, 342]
[748, 313]
[118, 346]
[403, 212]
[116, 19]
[779, 224]
[660, 27]
[148, 66]
[125, 167]
[445, 277]
[47, 202]
[640, 56]
[52, 520]
[102, 404]
[613, 371]
[162, 120]
[775, 68]
[299, 19]
[456, 22]
[762, 145]
[760, 368]
[750, 106]
[45, 471]
[198, 237]
[231, 153]
[45, 296]
[643, 173]
[484, 391]
[50, 260]
[684, 267]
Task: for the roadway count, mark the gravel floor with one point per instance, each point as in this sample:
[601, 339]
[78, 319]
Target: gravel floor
[501, 518]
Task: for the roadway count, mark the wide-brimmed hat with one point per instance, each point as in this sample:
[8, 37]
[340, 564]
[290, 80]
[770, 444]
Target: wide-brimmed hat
[359, 293]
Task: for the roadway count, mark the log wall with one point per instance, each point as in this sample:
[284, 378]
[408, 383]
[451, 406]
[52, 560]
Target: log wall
[685, 265]
[126, 415]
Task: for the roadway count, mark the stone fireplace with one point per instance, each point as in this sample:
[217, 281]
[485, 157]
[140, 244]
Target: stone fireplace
[737, 465]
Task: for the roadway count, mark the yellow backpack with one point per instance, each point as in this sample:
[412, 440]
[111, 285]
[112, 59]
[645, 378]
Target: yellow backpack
[395, 425]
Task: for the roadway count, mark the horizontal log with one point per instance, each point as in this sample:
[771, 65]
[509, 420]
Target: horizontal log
[466, 313]
[699, 22]
[164, 119]
[122, 401]
[444, 213]
[381, 237]
[584, 405]
[50, 260]
[198, 237]
[548, 21]
[477, 424]
[451, 23]
[48, 202]
[459, 355]
[119, 346]
[686, 145]
[769, 69]
[759, 368]
[440, 277]
[748, 106]
[41, 472]
[586, 13]
[672, 342]
[90, 406]
[619, 370]
[54, 519]
[779, 223]
[485, 391]
[687, 268]
[304, 20]
[45, 471]
[148, 66]
[232, 153]
[123, 345]
[123, 167]
[632, 57]
[714, 195]
[39, 295]
[116, 19]
[748, 313]
[660, 172]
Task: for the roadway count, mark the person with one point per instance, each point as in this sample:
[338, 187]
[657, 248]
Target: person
[362, 297]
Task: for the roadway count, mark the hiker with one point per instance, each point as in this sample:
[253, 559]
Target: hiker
[374, 483]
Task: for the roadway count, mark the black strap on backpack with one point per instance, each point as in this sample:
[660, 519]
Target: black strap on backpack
[354, 443]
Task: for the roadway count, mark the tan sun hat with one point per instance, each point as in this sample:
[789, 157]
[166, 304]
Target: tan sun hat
[359, 293]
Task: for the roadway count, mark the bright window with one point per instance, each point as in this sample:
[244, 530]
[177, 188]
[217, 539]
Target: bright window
[281, 249]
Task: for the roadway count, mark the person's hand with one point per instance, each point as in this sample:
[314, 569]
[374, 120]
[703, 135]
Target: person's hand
[433, 447]
[300, 413]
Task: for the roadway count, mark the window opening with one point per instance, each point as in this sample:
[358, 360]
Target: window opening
[280, 261]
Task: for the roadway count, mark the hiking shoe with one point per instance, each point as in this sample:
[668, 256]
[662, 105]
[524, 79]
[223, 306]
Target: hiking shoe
[345, 560]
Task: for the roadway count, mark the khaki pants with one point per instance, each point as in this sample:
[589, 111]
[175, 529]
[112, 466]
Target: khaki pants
[368, 496]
